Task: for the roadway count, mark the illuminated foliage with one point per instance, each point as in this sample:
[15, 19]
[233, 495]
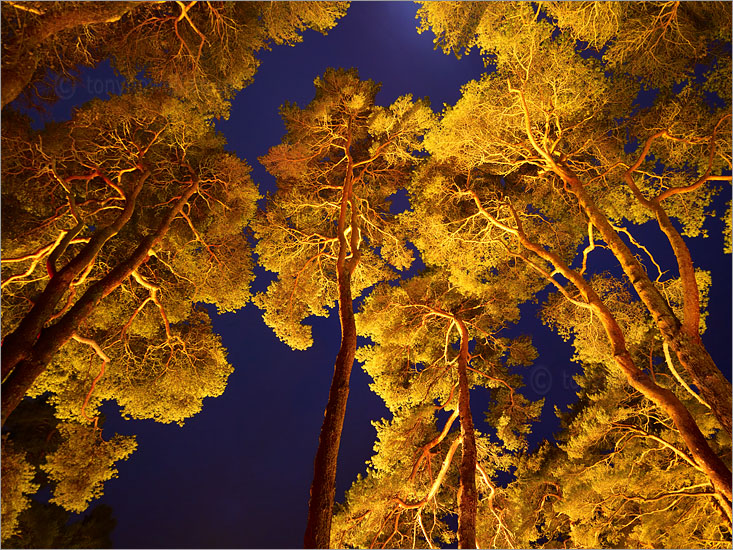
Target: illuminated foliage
[620, 477]
[624, 477]
[204, 51]
[594, 123]
[138, 214]
[423, 370]
[17, 486]
[341, 138]
[72, 461]
[557, 124]
[659, 42]
[82, 463]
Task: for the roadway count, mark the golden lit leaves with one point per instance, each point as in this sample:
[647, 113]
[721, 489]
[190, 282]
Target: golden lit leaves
[148, 375]
[590, 340]
[209, 53]
[654, 40]
[82, 463]
[164, 358]
[17, 486]
[491, 27]
[284, 21]
[508, 120]
[626, 466]
[728, 232]
[412, 477]
[342, 156]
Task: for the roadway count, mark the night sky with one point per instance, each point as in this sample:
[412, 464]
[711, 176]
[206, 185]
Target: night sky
[237, 474]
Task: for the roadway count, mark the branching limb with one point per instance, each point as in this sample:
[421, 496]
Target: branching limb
[588, 249]
[105, 361]
[422, 528]
[658, 439]
[638, 245]
[154, 289]
[684, 384]
[438, 480]
[425, 452]
[499, 517]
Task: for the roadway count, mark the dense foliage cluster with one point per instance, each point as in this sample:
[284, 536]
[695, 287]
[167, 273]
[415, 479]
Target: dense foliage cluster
[593, 122]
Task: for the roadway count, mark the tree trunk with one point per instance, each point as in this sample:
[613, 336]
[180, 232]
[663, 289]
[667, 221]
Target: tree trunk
[323, 487]
[18, 344]
[20, 61]
[52, 338]
[718, 473]
[714, 387]
[467, 496]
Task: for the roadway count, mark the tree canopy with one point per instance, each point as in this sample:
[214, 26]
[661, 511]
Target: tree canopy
[203, 51]
[569, 180]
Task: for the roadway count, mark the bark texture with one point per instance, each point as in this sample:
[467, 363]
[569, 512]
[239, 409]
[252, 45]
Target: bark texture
[467, 496]
[323, 488]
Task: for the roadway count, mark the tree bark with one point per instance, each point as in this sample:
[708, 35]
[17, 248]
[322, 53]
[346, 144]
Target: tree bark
[20, 61]
[52, 338]
[467, 496]
[323, 488]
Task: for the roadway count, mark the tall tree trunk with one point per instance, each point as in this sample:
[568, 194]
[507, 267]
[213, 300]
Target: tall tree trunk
[712, 384]
[52, 338]
[323, 487]
[20, 61]
[467, 496]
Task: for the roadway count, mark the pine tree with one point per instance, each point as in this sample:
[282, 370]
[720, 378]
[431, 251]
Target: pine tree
[117, 223]
[340, 161]
[422, 368]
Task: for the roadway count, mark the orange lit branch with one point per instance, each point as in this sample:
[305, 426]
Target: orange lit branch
[499, 380]
[105, 361]
[677, 376]
[425, 451]
[17, 345]
[499, 517]
[658, 439]
[436, 484]
[36, 257]
[153, 289]
[691, 296]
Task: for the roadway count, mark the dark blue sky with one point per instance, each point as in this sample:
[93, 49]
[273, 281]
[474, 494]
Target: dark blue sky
[237, 475]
